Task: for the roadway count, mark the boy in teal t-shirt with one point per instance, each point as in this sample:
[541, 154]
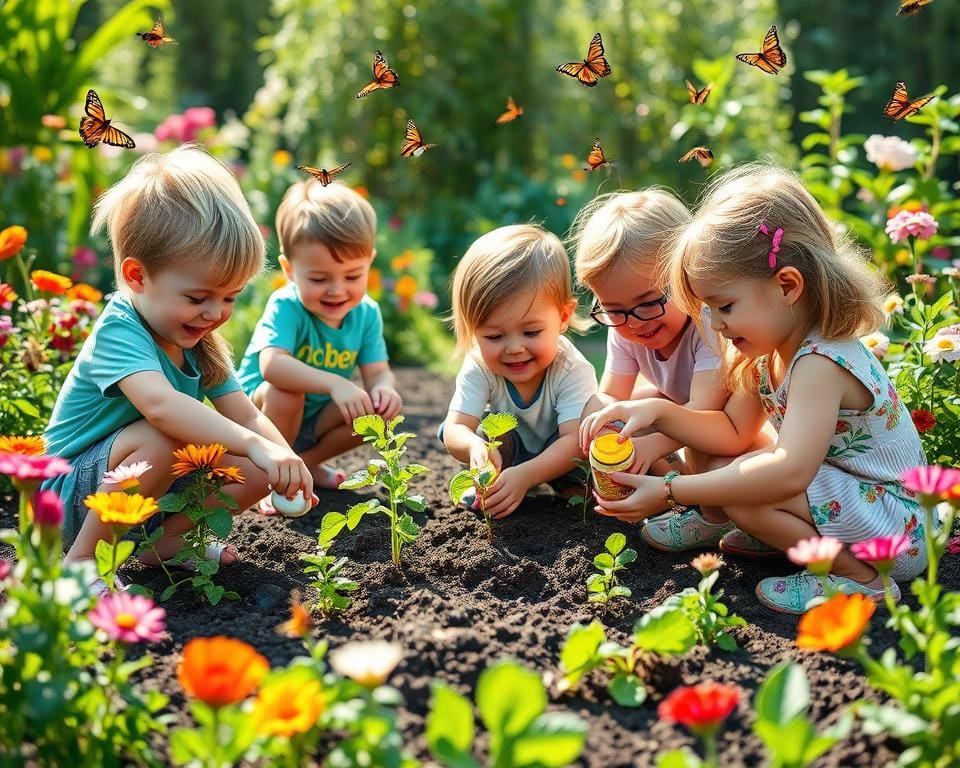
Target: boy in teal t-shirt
[320, 328]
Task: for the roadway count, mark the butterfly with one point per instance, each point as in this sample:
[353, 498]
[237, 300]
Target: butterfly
[155, 37]
[900, 105]
[322, 174]
[512, 113]
[413, 142]
[95, 127]
[591, 68]
[771, 58]
[383, 77]
[698, 96]
[702, 155]
[596, 158]
[911, 7]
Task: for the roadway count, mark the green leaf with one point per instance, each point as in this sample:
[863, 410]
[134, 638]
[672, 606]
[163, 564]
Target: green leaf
[579, 653]
[665, 630]
[26, 407]
[173, 502]
[359, 479]
[214, 592]
[620, 591]
[168, 592]
[603, 561]
[370, 425]
[220, 522]
[124, 550]
[331, 524]
[553, 740]
[104, 554]
[627, 690]
[615, 543]
[784, 694]
[625, 557]
[509, 698]
[417, 503]
[357, 511]
[460, 484]
[726, 642]
[408, 529]
[496, 425]
[450, 729]
[679, 758]
[187, 745]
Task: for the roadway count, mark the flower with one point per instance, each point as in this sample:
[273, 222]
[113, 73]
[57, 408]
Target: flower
[50, 282]
[951, 273]
[405, 287]
[6, 328]
[878, 343]
[7, 296]
[12, 240]
[707, 563]
[893, 304]
[906, 224]
[890, 153]
[374, 282]
[911, 206]
[933, 481]
[5, 567]
[220, 670]
[923, 419]
[32, 445]
[701, 708]
[56, 122]
[368, 662]
[426, 299]
[881, 551]
[278, 280]
[200, 117]
[943, 346]
[47, 509]
[118, 508]
[282, 158]
[816, 553]
[403, 261]
[298, 625]
[921, 279]
[127, 475]
[128, 618]
[28, 471]
[84, 292]
[204, 458]
[953, 546]
[288, 704]
[837, 624]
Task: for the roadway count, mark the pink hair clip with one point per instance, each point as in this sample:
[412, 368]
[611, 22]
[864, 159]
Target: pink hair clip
[775, 246]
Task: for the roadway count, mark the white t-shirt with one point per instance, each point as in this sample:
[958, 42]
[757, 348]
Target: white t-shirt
[672, 375]
[569, 383]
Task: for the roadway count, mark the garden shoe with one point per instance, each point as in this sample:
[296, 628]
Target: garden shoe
[741, 543]
[265, 507]
[678, 531]
[214, 552]
[98, 587]
[793, 594]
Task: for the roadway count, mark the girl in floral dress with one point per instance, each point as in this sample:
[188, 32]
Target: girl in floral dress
[790, 299]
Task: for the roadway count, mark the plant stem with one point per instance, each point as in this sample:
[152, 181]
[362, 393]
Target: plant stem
[710, 750]
[112, 576]
[212, 757]
[932, 558]
[887, 594]
[934, 150]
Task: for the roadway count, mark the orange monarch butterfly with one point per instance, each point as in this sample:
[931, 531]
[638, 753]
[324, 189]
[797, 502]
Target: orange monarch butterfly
[702, 155]
[383, 77]
[771, 57]
[900, 105]
[95, 127]
[322, 174]
[512, 113]
[155, 37]
[698, 96]
[413, 142]
[596, 158]
[591, 68]
[911, 7]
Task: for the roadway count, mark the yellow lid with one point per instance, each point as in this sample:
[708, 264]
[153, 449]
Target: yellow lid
[606, 449]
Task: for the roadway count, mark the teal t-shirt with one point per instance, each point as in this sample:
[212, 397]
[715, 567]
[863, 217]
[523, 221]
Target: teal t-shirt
[90, 406]
[287, 324]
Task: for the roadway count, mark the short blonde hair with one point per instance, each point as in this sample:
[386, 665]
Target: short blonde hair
[334, 215]
[625, 231]
[184, 207]
[842, 297]
[503, 264]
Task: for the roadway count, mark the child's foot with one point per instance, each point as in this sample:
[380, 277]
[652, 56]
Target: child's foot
[678, 531]
[325, 476]
[792, 594]
[740, 543]
[224, 554]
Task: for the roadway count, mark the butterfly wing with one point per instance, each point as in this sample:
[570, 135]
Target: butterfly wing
[512, 113]
[595, 60]
[117, 138]
[703, 155]
[596, 158]
[900, 105]
[385, 76]
[94, 107]
[320, 174]
[412, 140]
[771, 58]
[574, 68]
[911, 7]
[698, 96]
[335, 170]
[94, 124]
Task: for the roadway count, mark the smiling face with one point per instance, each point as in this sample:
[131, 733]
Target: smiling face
[328, 288]
[615, 291]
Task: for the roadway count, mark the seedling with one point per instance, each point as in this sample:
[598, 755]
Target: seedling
[388, 472]
[711, 617]
[328, 583]
[584, 500]
[603, 586]
[494, 426]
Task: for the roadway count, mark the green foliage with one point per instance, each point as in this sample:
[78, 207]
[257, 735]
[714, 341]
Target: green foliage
[583, 500]
[512, 703]
[603, 586]
[328, 582]
[710, 617]
[392, 475]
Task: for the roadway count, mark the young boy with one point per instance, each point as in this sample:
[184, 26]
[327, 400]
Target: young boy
[320, 327]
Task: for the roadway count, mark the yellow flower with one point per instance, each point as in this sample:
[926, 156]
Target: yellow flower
[902, 256]
[12, 239]
[403, 261]
[25, 446]
[84, 292]
[278, 280]
[406, 287]
[282, 158]
[50, 282]
[289, 704]
[568, 161]
[42, 154]
[119, 508]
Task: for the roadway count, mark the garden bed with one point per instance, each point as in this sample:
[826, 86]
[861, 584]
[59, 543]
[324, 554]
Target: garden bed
[459, 603]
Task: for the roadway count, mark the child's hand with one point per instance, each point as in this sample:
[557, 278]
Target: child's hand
[637, 415]
[352, 400]
[386, 401]
[286, 472]
[506, 493]
[647, 500]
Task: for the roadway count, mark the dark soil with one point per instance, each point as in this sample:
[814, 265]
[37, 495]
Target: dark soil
[459, 603]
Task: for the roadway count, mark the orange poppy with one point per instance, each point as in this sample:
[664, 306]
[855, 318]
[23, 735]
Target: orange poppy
[288, 705]
[220, 670]
[119, 508]
[836, 624]
[12, 240]
[50, 282]
[84, 292]
[32, 445]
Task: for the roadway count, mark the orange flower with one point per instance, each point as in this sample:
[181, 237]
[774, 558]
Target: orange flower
[25, 446]
[84, 292]
[278, 280]
[220, 670]
[204, 458]
[7, 294]
[298, 624]
[374, 282]
[362, 191]
[403, 261]
[50, 282]
[119, 508]
[12, 239]
[56, 122]
[406, 287]
[288, 705]
[836, 624]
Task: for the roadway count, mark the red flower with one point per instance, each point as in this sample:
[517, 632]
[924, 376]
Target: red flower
[701, 708]
[923, 420]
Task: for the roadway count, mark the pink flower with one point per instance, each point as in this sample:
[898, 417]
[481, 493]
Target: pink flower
[5, 567]
[6, 328]
[174, 127]
[84, 257]
[200, 117]
[816, 553]
[930, 481]
[881, 551]
[128, 618]
[47, 509]
[953, 545]
[127, 476]
[906, 224]
[940, 252]
[27, 471]
[426, 299]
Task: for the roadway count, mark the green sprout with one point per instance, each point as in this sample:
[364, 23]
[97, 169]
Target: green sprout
[603, 586]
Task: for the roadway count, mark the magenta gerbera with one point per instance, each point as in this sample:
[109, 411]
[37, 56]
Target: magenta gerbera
[129, 618]
[27, 471]
[881, 551]
[930, 481]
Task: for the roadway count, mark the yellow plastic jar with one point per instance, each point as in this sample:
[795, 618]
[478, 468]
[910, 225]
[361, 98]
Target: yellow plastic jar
[608, 455]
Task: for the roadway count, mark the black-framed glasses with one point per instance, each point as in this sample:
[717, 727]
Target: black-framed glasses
[645, 310]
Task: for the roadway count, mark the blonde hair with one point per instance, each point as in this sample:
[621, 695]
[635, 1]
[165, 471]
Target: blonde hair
[625, 231]
[501, 265]
[183, 207]
[842, 294]
[334, 215]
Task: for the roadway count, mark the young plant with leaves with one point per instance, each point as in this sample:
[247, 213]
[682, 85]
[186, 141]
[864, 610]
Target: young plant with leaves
[392, 475]
[604, 585]
[479, 479]
[327, 581]
[583, 500]
[711, 617]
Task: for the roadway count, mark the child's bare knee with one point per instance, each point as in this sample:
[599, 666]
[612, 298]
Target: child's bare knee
[271, 396]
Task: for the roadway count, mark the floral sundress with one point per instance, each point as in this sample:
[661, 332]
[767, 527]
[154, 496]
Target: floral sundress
[857, 493]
